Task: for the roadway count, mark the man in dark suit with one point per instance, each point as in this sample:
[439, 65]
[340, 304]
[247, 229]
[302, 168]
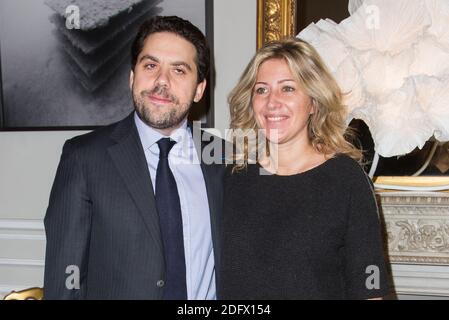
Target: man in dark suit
[134, 209]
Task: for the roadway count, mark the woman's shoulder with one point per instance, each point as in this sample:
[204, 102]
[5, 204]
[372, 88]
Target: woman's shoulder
[346, 166]
[235, 172]
[240, 179]
[345, 162]
[351, 172]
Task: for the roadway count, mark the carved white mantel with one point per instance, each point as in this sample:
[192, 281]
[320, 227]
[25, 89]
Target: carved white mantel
[417, 229]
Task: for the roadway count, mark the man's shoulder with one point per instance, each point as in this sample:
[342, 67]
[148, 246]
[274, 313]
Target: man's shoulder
[100, 138]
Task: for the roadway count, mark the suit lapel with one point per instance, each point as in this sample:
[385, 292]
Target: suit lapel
[213, 178]
[129, 158]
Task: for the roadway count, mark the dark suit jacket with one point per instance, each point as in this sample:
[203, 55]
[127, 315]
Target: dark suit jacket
[102, 218]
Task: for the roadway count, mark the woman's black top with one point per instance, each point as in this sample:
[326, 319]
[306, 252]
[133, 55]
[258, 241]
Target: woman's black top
[312, 235]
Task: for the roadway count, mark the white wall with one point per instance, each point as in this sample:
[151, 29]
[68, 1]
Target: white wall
[235, 43]
[28, 164]
[28, 160]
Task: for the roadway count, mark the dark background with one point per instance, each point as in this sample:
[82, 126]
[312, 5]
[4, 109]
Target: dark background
[309, 11]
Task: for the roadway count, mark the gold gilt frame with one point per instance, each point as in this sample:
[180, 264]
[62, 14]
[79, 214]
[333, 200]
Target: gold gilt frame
[276, 19]
[404, 181]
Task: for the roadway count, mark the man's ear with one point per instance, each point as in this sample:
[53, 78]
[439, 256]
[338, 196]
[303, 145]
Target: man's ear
[200, 90]
[131, 80]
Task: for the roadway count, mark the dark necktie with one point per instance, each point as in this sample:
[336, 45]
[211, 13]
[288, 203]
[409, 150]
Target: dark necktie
[170, 219]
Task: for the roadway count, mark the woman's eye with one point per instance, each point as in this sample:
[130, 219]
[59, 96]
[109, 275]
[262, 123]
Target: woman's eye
[288, 89]
[261, 90]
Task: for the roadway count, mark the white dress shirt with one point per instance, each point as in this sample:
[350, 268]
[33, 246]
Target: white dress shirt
[184, 163]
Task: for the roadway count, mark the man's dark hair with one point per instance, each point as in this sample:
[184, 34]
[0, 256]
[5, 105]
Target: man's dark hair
[179, 27]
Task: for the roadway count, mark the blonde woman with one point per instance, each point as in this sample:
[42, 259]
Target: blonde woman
[301, 221]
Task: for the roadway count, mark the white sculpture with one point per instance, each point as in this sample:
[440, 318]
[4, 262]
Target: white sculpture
[391, 57]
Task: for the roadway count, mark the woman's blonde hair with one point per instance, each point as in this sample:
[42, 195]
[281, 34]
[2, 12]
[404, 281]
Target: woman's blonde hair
[327, 129]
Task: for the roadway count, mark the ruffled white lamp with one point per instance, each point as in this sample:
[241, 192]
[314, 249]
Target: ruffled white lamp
[391, 58]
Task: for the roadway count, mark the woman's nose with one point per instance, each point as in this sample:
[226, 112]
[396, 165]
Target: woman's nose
[273, 101]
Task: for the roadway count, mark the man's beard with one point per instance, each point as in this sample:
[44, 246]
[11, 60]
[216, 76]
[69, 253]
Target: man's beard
[171, 116]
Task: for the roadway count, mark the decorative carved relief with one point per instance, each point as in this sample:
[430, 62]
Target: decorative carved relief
[276, 20]
[417, 227]
[272, 21]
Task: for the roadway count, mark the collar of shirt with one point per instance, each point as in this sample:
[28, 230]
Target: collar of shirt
[149, 137]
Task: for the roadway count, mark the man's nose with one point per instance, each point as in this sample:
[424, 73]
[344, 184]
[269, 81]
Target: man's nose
[163, 78]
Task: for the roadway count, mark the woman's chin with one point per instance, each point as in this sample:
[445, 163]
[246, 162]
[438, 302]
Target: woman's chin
[275, 138]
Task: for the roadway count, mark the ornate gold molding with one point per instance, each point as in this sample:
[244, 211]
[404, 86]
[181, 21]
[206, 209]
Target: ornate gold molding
[27, 294]
[276, 19]
[406, 181]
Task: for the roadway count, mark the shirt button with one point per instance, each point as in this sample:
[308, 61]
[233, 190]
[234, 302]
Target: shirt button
[160, 283]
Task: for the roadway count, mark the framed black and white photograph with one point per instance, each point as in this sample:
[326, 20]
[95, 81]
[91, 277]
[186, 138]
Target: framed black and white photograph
[64, 64]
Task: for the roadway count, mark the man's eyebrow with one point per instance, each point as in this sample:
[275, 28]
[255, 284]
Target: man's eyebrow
[176, 63]
[148, 57]
[181, 63]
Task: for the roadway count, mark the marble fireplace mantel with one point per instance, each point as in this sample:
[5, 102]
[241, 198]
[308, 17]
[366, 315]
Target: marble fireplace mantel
[416, 225]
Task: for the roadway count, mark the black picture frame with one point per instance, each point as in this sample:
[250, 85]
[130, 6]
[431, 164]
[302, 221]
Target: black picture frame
[203, 111]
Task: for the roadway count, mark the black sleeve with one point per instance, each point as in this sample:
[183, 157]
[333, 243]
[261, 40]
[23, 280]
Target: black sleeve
[67, 227]
[365, 269]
